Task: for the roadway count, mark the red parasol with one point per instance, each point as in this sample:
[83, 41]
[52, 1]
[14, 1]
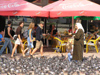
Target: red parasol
[75, 8]
[52, 5]
[21, 8]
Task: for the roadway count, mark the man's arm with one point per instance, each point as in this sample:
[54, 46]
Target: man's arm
[96, 32]
[19, 38]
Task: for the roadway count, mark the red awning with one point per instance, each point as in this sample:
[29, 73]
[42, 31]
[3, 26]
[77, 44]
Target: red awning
[75, 8]
[21, 8]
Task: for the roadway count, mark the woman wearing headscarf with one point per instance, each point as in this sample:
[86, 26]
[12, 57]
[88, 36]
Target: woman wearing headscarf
[78, 42]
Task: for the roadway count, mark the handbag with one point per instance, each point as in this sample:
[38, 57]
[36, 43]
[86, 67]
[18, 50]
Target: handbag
[15, 37]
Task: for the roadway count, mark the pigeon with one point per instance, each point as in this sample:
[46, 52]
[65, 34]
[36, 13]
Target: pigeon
[56, 65]
[57, 50]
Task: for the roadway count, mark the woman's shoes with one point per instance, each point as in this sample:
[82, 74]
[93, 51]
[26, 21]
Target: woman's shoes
[11, 56]
[42, 57]
[23, 55]
[14, 56]
[31, 56]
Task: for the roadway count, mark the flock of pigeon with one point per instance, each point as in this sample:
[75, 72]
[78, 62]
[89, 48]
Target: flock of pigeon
[56, 65]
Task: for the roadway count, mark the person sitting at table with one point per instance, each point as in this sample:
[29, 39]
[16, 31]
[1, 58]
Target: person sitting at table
[1, 38]
[96, 32]
[53, 31]
[70, 30]
[92, 28]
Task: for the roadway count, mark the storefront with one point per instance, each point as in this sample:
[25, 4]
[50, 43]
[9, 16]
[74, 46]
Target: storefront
[41, 2]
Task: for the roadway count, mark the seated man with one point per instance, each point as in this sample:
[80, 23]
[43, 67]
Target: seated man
[70, 30]
[1, 37]
[53, 31]
[97, 32]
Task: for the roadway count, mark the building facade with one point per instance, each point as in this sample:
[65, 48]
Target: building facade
[41, 2]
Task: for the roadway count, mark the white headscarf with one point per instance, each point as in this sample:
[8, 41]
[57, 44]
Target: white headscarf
[79, 25]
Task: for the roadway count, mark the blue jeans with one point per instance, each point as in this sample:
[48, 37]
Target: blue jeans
[69, 56]
[8, 44]
[30, 44]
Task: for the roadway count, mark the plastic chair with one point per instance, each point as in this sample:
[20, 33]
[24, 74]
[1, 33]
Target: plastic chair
[61, 44]
[92, 43]
[25, 44]
[6, 47]
[24, 40]
[88, 37]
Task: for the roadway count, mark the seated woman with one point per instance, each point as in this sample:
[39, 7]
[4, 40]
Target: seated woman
[53, 31]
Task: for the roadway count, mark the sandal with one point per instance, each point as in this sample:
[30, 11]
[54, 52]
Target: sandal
[42, 56]
[24, 55]
[30, 56]
[11, 56]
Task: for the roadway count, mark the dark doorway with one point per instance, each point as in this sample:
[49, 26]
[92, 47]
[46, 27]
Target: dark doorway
[2, 23]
